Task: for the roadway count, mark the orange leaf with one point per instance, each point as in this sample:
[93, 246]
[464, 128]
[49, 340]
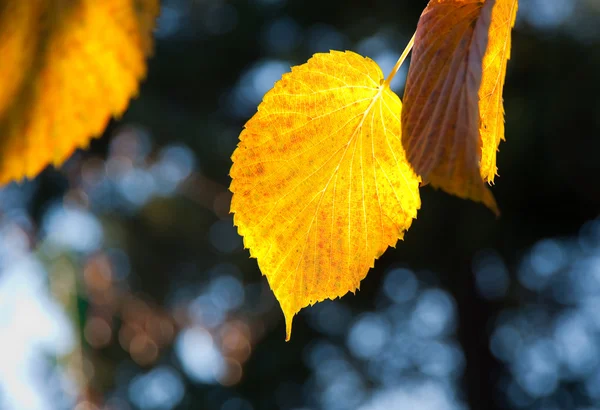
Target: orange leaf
[67, 67]
[453, 119]
[321, 186]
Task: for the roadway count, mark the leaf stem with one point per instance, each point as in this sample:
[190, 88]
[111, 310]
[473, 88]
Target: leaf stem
[409, 47]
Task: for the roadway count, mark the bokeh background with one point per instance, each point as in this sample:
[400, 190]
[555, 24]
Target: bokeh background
[124, 285]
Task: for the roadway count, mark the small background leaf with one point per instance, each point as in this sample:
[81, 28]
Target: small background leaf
[71, 66]
[321, 186]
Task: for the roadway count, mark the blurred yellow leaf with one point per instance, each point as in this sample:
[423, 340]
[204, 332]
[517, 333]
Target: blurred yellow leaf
[67, 66]
[321, 186]
[453, 119]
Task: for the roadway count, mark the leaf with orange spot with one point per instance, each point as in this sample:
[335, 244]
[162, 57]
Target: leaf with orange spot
[67, 68]
[321, 186]
[453, 118]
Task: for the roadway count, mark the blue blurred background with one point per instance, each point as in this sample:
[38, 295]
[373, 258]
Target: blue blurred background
[124, 285]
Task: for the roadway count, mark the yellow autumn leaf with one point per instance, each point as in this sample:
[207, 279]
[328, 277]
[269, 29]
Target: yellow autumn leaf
[453, 119]
[321, 186]
[67, 68]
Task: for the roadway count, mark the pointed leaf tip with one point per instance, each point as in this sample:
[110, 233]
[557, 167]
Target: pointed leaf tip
[289, 317]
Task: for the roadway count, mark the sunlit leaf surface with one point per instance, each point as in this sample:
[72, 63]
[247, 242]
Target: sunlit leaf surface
[321, 186]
